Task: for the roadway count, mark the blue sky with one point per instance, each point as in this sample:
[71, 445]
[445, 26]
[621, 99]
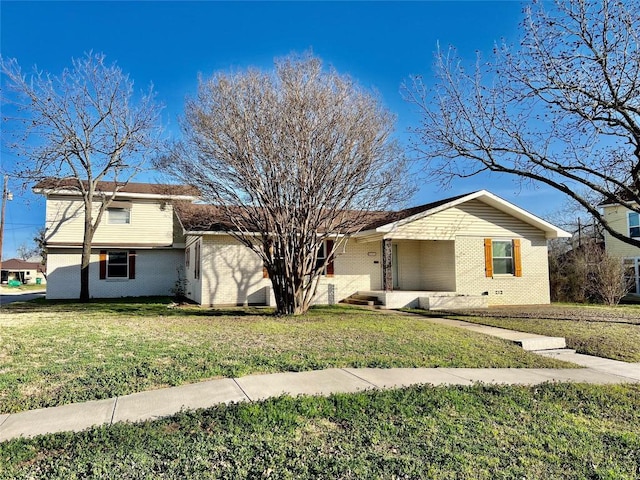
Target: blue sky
[169, 43]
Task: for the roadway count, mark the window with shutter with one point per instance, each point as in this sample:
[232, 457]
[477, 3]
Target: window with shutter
[502, 257]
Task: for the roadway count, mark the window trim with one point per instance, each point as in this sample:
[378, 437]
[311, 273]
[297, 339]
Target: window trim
[494, 257]
[629, 227]
[130, 263]
[126, 264]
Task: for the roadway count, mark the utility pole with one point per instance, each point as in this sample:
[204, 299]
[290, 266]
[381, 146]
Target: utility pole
[5, 196]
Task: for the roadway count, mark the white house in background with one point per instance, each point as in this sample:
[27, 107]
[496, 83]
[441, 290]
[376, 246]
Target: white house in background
[29, 273]
[626, 222]
[475, 249]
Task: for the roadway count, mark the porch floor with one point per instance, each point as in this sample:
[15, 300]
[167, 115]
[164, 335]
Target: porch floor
[427, 299]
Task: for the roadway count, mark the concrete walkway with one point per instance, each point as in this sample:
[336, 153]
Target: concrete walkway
[167, 401]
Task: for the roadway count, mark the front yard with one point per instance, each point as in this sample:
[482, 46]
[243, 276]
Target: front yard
[553, 431]
[57, 353]
[609, 332]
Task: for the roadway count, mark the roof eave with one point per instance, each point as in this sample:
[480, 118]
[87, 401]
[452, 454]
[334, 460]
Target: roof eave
[154, 196]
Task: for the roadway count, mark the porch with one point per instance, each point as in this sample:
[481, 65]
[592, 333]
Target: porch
[419, 273]
[427, 300]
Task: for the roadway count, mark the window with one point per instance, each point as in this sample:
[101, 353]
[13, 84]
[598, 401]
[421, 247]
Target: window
[118, 216]
[187, 257]
[634, 224]
[502, 257]
[322, 256]
[325, 248]
[196, 271]
[117, 265]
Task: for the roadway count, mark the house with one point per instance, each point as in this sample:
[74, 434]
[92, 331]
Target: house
[476, 248]
[30, 273]
[626, 222]
[138, 248]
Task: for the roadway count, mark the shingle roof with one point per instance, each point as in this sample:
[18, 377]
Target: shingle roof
[15, 264]
[131, 187]
[210, 218]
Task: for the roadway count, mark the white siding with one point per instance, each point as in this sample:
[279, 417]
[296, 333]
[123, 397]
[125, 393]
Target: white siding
[231, 273]
[473, 218]
[426, 265]
[152, 223]
[618, 219]
[358, 267]
[410, 268]
[156, 274]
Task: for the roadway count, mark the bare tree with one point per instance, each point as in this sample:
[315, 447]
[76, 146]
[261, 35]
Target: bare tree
[25, 252]
[607, 282]
[562, 109]
[77, 129]
[295, 160]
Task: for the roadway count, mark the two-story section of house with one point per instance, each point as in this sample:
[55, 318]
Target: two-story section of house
[137, 250]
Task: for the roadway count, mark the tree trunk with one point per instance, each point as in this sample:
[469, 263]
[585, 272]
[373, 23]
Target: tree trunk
[289, 295]
[86, 252]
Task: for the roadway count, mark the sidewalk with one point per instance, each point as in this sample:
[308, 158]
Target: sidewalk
[167, 401]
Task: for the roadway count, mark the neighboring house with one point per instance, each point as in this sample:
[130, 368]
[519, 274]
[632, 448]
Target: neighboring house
[474, 247]
[29, 273]
[626, 222]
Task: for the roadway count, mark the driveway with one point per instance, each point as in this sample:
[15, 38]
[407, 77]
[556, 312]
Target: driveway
[10, 297]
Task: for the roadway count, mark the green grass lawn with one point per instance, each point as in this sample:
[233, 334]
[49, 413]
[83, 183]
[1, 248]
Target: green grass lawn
[53, 353]
[619, 341]
[23, 288]
[609, 332]
[552, 431]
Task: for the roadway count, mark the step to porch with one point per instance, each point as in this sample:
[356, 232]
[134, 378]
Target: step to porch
[364, 300]
[542, 343]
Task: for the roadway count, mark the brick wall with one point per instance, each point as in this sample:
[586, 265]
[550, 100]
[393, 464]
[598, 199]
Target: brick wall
[531, 288]
[232, 273]
[156, 274]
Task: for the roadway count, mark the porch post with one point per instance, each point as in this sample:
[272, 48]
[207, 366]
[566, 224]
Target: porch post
[387, 272]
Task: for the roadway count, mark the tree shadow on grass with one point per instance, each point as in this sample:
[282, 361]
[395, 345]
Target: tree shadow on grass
[138, 306]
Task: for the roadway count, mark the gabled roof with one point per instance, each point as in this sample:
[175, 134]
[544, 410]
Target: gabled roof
[210, 218]
[70, 186]
[385, 218]
[15, 264]
[416, 213]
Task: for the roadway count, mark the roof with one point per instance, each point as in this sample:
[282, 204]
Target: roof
[210, 218]
[71, 186]
[484, 196]
[385, 218]
[15, 264]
